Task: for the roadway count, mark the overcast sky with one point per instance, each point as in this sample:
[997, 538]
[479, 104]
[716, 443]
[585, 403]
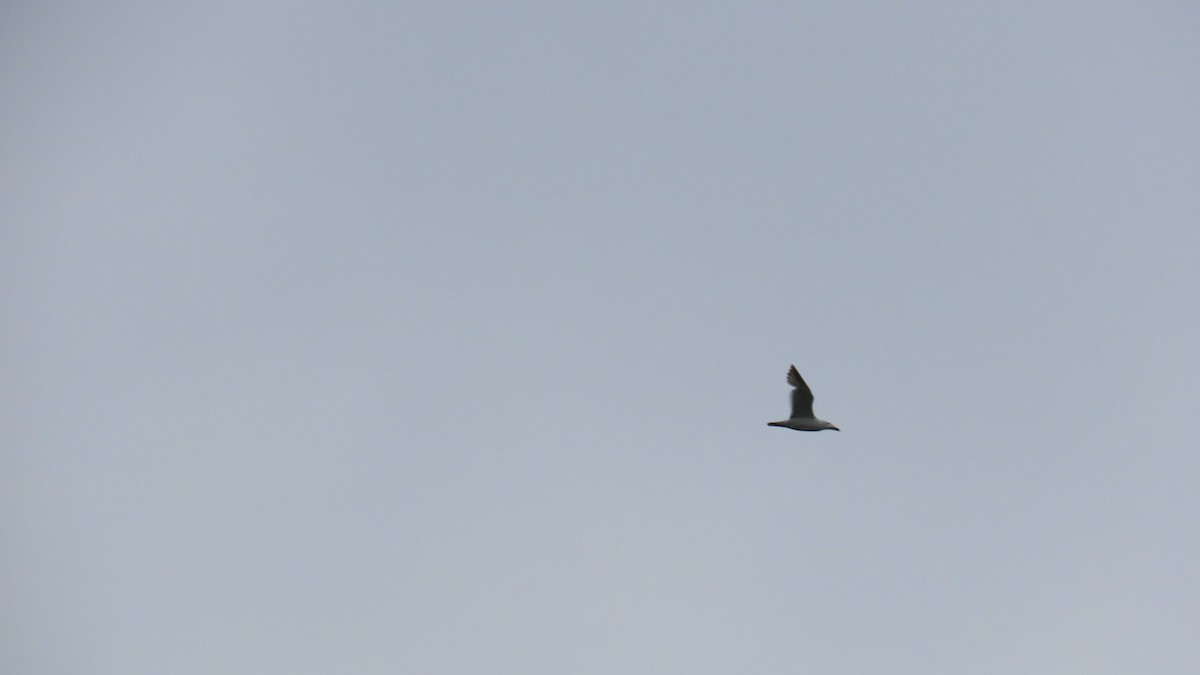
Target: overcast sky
[441, 337]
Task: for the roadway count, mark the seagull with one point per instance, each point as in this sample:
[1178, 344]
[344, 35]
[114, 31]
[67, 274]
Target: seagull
[802, 418]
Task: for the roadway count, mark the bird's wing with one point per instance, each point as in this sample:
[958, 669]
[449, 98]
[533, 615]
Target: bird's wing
[802, 396]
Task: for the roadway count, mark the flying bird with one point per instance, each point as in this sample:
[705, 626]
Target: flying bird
[802, 418]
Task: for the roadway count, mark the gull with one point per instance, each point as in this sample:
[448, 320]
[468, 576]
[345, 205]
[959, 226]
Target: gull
[802, 418]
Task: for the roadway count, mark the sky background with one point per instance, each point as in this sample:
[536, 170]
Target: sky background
[441, 337]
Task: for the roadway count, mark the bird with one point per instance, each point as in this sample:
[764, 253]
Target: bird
[802, 418]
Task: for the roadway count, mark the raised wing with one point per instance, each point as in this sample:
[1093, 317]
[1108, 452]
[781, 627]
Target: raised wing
[802, 396]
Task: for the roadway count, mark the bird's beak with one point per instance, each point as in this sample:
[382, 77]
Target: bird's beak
[836, 429]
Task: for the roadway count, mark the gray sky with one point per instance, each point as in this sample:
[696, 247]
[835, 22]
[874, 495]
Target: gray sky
[441, 337]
